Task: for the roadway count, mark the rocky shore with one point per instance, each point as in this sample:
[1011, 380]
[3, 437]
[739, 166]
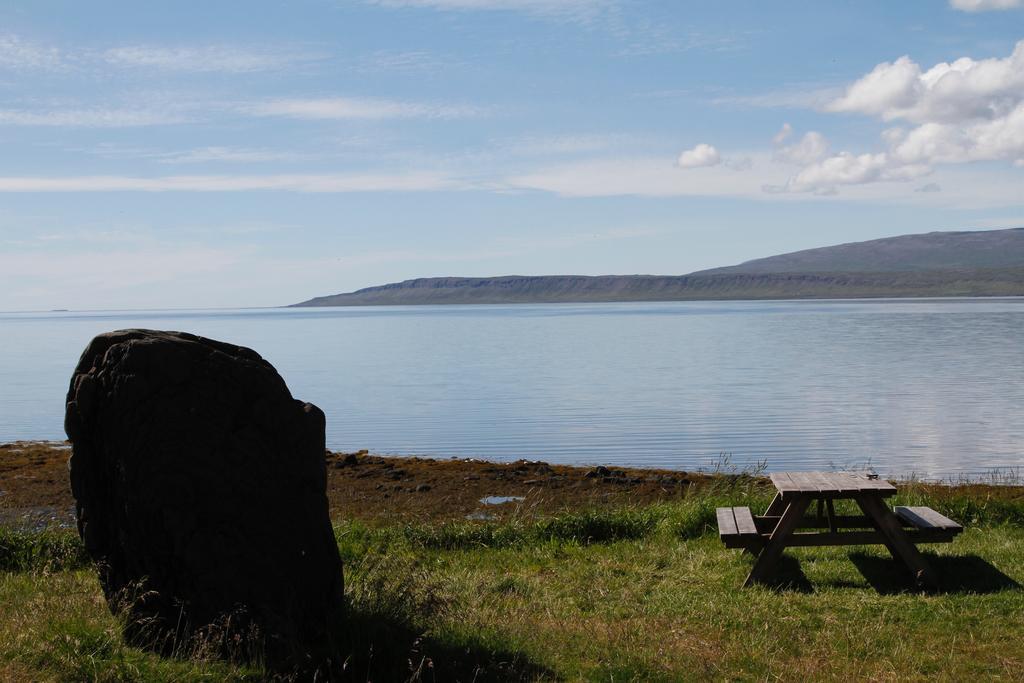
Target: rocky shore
[35, 491]
[34, 488]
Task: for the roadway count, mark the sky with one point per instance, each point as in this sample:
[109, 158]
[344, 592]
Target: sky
[260, 153]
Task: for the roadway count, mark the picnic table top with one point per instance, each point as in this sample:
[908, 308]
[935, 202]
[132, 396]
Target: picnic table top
[836, 484]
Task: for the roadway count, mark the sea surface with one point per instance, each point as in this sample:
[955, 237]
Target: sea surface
[931, 388]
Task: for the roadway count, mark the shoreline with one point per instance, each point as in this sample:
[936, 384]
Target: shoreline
[384, 489]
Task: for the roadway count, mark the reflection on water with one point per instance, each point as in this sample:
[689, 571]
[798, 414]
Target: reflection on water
[932, 387]
[501, 500]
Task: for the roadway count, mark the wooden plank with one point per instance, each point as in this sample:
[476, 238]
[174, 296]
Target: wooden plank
[830, 516]
[828, 483]
[880, 485]
[803, 482]
[840, 538]
[926, 518]
[819, 538]
[860, 481]
[745, 522]
[842, 522]
[777, 506]
[726, 522]
[784, 483]
[938, 519]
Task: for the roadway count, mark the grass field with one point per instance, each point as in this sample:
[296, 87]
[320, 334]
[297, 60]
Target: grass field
[625, 594]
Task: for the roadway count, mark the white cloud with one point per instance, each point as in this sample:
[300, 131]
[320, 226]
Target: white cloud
[984, 5]
[954, 92]
[97, 117]
[363, 182]
[782, 135]
[810, 148]
[1000, 138]
[358, 108]
[208, 58]
[965, 111]
[18, 53]
[701, 155]
[849, 169]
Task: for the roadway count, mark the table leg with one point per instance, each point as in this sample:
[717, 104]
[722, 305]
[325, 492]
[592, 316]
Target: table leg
[777, 507]
[899, 545]
[772, 550]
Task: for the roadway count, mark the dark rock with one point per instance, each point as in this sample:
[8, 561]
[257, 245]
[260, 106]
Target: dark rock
[599, 471]
[422, 488]
[200, 488]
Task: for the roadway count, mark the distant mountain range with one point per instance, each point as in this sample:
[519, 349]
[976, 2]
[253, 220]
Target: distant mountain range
[935, 264]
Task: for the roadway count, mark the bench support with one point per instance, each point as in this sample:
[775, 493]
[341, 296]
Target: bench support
[896, 539]
[777, 541]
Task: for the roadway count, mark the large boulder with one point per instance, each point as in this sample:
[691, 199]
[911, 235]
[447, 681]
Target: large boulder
[200, 489]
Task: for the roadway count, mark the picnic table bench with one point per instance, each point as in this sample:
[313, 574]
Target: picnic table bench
[899, 529]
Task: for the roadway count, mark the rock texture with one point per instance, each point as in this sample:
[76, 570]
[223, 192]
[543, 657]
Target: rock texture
[200, 489]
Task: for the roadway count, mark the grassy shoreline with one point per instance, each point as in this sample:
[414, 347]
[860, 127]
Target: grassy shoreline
[601, 587]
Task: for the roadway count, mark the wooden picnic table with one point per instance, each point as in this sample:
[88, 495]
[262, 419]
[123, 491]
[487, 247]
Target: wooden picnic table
[768, 535]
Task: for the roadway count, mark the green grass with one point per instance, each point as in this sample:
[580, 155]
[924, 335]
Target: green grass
[642, 594]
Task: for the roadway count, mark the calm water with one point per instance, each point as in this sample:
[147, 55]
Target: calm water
[929, 387]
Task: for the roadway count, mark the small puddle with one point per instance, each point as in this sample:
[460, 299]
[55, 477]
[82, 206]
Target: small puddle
[501, 500]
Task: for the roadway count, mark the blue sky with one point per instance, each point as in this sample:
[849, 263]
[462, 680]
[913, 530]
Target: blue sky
[260, 153]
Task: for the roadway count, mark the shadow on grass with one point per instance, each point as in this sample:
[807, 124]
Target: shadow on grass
[787, 575]
[956, 574]
[385, 650]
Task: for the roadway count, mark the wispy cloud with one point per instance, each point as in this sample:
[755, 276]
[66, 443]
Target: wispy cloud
[985, 5]
[94, 117]
[797, 96]
[564, 145]
[358, 108]
[22, 54]
[19, 53]
[566, 9]
[499, 248]
[411, 61]
[205, 58]
[651, 38]
[202, 155]
[640, 176]
[962, 188]
[356, 182]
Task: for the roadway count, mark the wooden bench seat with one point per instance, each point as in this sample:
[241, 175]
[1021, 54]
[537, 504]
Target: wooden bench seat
[736, 527]
[934, 527]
